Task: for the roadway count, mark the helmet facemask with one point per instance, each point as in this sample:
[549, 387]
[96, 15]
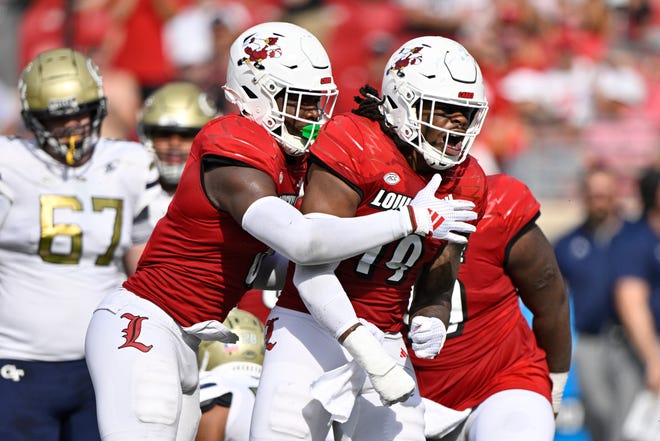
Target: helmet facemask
[170, 162]
[298, 117]
[443, 148]
[70, 144]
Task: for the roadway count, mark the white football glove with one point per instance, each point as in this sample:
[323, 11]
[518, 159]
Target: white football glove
[392, 383]
[441, 218]
[428, 335]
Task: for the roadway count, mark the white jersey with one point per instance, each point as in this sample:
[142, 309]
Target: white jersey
[243, 388]
[62, 239]
[158, 207]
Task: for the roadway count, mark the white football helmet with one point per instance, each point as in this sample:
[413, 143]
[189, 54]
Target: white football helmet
[426, 73]
[245, 356]
[180, 108]
[278, 60]
[57, 84]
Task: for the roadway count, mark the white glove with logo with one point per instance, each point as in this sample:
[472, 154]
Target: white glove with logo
[428, 335]
[441, 218]
[390, 380]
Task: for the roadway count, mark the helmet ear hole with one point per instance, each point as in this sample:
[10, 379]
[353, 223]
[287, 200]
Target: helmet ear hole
[270, 86]
[407, 94]
[270, 123]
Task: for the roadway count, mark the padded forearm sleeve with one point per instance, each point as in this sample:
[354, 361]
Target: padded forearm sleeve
[325, 297]
[313, 240]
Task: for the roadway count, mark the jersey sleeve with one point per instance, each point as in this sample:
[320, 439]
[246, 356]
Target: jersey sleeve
[341, 147]
[512, 202]
[149, 190]
[239, 140]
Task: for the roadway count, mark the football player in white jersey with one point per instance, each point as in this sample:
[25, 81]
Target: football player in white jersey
[169, 120]
[228, 379]
[73, 222]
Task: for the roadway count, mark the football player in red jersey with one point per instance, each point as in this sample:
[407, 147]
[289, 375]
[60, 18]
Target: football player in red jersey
[510, 375]
[234, 200]
[322, 365]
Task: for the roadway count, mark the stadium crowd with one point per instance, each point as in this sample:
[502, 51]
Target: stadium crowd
[573, 92]
[569, 83]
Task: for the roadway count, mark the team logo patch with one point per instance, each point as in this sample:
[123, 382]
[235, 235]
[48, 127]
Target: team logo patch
[132, 333]
[407, 56]
[11, 372]
[392, 178]
[268, 333]
[257, 49]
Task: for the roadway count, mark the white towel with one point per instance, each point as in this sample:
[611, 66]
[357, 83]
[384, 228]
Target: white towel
[212, 330]
[337, 389]
[439, 420]
[643, 420]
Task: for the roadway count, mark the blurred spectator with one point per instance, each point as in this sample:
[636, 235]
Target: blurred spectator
[87, 26]
[359, 44]
[10, 110]
[197, 40]
[507, 135]
[49, 24]
[319, 16]
[650, 70]
[591, 26]
[445, 17]
[125, 92]
[636, 271]
[621, 134]
[559, 94]
[583, 254]
[138, 46]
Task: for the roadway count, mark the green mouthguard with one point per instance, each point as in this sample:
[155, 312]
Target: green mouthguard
[310, 131]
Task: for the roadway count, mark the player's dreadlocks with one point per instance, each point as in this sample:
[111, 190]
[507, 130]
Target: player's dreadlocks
[369, 106]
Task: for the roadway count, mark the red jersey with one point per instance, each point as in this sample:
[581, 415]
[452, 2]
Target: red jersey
[199, 261]
[490, 346]
[379, 281]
